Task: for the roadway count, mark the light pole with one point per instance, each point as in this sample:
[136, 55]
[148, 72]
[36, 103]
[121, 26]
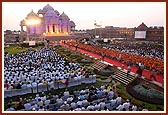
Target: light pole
[98, 25]
[95, 28]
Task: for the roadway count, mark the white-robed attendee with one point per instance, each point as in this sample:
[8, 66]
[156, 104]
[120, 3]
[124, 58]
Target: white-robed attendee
[113, 103]
[126, 105]
[70, 99]
[41, 108]
[79, 103]
[29, 84]
[97, 106]
[73, 105]
[118, 100]
[51, 84]
[134, 107]
[120, 107]
[27, 106]
[78, 108]
[91, 107]
[34, 84]
[66, 92]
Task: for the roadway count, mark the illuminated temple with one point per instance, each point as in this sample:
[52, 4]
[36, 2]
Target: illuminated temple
[47, 23]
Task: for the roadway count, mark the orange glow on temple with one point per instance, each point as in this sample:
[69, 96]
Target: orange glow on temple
[56, 34]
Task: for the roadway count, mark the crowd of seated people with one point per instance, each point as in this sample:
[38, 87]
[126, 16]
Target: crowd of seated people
[148, 48]
[151, 57]
[88, 99]
[38, 67]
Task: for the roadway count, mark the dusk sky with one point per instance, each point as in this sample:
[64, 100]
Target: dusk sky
[123, 14]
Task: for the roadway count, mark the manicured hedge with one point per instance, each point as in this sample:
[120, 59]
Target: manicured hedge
[85, 61]
[104, 72]
[144, 93]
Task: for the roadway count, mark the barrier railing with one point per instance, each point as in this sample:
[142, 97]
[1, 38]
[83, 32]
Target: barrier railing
[41, 88]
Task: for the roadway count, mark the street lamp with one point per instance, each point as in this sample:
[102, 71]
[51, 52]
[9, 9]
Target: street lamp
[95, 28]
[98, 25]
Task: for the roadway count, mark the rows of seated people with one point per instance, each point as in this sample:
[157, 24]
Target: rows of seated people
[125, 54]
[38, 67]
[148, 48]
[104, 98]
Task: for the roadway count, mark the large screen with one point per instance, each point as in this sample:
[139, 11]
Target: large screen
[140, 34]
[105, 40]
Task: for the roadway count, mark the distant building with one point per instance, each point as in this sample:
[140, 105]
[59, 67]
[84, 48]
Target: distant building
[151, 33]
[47, 23]
[11, 36]
[118, 32]
[112, 32]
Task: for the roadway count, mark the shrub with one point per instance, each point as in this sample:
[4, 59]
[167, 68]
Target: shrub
[85, 61]
[73, 55]
[105, 72]
[149, 93]
[143, 92]
[103, 78]
[40, 44]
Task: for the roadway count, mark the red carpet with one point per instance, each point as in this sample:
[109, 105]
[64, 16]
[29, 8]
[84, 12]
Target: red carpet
[145, 73]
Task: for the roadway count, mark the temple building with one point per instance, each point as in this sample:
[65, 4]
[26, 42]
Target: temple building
[47, 23]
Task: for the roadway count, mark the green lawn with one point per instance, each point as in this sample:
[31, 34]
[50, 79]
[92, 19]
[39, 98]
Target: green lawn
[18, 49]
[15, 49]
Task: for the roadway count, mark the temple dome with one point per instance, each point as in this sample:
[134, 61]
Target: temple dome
[63, 16]
[32, 15]
[23, 22]
[72, 24]
[47, 8]
[40, 11]
[50, 13]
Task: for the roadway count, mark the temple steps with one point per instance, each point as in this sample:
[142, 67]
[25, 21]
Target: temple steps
[98, 65]
[121, 76]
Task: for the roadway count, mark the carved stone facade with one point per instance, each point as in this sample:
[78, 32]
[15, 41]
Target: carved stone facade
[47, 22]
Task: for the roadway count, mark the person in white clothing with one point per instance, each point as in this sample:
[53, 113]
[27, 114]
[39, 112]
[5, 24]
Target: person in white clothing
[41, 108]
[34, 84]
[126, 105]
[79, 102]
[78, 108]
[66, 92]
[70, 98]
[118, 100]
[134, 107]
[27, 106]
[120, 107]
